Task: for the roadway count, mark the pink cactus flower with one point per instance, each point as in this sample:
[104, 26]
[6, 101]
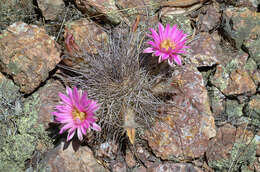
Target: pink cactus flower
[168, 44]
[76, 113]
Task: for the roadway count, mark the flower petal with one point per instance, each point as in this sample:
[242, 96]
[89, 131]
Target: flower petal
[148, 50]
[96, 127]
[79, 133]
[70, 135]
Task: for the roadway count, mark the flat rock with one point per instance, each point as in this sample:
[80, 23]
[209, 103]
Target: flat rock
[205, 51]
[186, 124]
[27, 54]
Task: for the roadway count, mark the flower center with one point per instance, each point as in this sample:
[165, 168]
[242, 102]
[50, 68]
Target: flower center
[79, 115]
[167, 44]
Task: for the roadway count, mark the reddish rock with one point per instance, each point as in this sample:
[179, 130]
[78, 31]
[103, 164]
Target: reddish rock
[186, 124]
[88, 36]
[27, 54]
[59, 160]
[51, 9]
[224, 141]
[102, 10]
[205, 51]
[211, 19]
[174, 167]
[49, 98]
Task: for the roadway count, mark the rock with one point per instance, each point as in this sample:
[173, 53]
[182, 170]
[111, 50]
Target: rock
[210, 19]
[186, 123]
[245, 30]
[88, 36]
[118, 166]
[107, 151]
[101, 10]
[49, 98]
[251, 68]
[216, 101]
[233, 79]
[239, 25]
[231, 141]
[176, 167]
[9, 91]
[27, 54]
[136, 7]
[58, 160]
[51, 9]
[252, 110]
[14, 11]
[257, 138]
[233, 109]
[205, 51]
[168, 15]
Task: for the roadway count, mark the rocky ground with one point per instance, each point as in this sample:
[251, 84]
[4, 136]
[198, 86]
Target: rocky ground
[201, 116]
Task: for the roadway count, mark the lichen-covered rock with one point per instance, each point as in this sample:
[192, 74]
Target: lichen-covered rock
[104, 10]
[27, 54]
[244, 23]
[253, 110]
[254, 72]
[136, 7]
[88, 36]
[14, 11]
[176, 167]
[225, 149]
[186, 123]
[167, 16]
[51, 9]
[19, 141]
[205, 51]
[233, 79]
[68, 160]
[233, 109]
[216, 101]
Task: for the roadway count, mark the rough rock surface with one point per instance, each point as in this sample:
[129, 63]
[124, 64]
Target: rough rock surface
[58, 160]
[51, 9]
[231, 141]
[186, 124]
[102, 10]
[88, 36]
[205, 51]
[27, 54]
[176, 167]
[48, 98]
[233, 78]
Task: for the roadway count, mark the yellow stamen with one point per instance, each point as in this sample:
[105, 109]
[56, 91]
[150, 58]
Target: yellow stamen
[167, 44]
[78, 114]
